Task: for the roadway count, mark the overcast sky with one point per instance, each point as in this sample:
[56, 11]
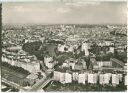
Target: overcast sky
[70, 11]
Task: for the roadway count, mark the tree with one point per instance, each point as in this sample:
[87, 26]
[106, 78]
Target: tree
[87, 60]
[32, 47]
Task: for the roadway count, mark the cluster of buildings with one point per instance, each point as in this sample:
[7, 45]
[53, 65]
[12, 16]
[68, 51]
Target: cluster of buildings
[74, 64]
[84, 47]
[112, 63]
[49, 62]
[76, 40]
[20, 59]
[89, 77]
[111, 46]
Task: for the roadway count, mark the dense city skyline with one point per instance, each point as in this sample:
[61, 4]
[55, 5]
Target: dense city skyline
[64, 46]
[77, 12]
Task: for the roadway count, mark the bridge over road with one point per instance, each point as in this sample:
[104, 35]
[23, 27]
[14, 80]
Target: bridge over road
[42, 83]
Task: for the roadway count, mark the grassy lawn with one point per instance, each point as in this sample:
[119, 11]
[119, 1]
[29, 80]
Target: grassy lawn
[13, 76]
[13, 72]
[56, 86]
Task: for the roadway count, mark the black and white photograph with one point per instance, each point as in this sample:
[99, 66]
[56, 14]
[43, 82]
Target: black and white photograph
[63, 46]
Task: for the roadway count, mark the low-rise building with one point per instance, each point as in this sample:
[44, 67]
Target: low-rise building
[70, 49]
[49, 62]
[61, 48]
[32, 78]
[78, 66]
[111, 49]
[104, 63]
[50, 65]
[47, 59]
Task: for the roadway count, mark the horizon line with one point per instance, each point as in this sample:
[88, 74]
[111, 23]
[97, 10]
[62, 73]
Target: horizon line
[64, 24]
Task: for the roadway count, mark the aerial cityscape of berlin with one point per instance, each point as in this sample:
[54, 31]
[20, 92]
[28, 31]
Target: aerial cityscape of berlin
[64, 46]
